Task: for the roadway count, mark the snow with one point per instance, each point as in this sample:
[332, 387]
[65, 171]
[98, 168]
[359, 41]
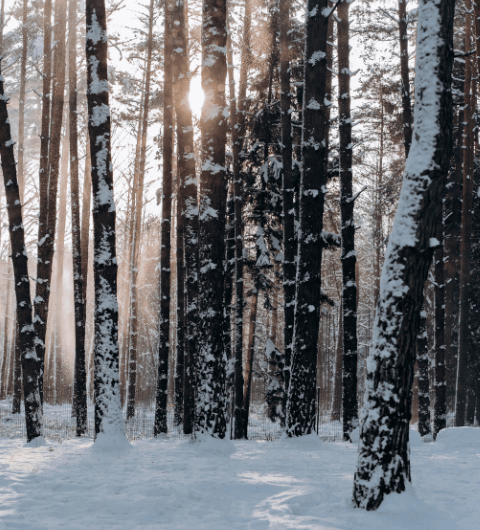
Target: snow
[218, 485]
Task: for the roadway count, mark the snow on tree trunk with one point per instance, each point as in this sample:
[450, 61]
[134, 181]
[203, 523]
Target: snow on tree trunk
[31, 362]
[160, 425]
[348, 254]
[384, 464]
[314, 177]
[108, 412]
[210, 406]
[423, 380]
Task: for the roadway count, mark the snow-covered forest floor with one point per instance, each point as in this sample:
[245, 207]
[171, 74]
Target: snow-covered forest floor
[168, 484]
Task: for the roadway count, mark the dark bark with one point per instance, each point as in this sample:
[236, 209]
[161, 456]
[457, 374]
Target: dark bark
[289, 267]
[31, 364]
[210, 406]
[423, 380]
[80, 377]
[247, 388]
[314, 177]
[21, 104]
[160, 425]
[108, 412]
[49, 187]
[181, 322]
[465, 242]
[17, 372]
[407, 115]
[384, 463]
[348, 254]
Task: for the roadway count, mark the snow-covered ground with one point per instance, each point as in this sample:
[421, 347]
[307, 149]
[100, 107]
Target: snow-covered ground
[176, 484]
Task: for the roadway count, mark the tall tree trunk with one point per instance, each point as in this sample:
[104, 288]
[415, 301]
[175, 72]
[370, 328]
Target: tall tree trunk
[108, 412]
[465, 241]
[237, 115]
[407, 115]
[423, 381]
[80, 377]
[31, 366]
[210, 406]
[314, 177]
[440, 412]
[378, 213]
[348, 254]
[134, 262]
[49, 188]
[160, 425]
[17, 372]
[288, 193]
[181, 322]
[21, 104]
[383, 462]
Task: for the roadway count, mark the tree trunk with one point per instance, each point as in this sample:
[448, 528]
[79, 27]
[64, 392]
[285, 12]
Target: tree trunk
[348, 254]
[237, 115]
[423, 381]
[80, 379]
[384, 463]
[288, 193]
[407, 115]
[314, 177]
[108, 412]
[49, 188]
[210, 406]
[181, 322]
[465, 241]
[440, 412]
[21, 104]
[247, 389]
[31, 365]
[160, 425]
[17, 372]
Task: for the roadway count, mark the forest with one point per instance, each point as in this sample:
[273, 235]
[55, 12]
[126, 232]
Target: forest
[242, 220]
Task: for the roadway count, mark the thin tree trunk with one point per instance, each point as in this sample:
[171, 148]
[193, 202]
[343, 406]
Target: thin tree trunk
[247, 389]
[423, 380]
[314, 177]
[21, 104]
[49, 188]
[288, 194]
[108, 412]
[181, 322]
[348, 254]
[31, 366]
[160, 425]
[17, 372]
[80, 376]
[210, 405]
[407, 114]
[465, 241]
[440, 412]
[383, 463]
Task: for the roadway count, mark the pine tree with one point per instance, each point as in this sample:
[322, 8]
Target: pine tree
[384, 464]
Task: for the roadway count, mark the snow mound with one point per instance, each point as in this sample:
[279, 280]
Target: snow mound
[307, 442]
[459, 438]
[37, 442]
[111, 443]
[415, 438]
[355, 435]
[206, 444]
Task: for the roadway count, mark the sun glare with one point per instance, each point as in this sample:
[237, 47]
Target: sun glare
[196, 96]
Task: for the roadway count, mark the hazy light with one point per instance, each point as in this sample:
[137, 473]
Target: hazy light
[196, 96]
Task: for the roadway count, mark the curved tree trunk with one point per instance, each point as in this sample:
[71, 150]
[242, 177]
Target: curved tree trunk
[383, 463]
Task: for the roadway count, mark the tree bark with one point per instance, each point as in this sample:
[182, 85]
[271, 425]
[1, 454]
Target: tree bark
[465, 241]
[210, 406]
[288, 194]
[348, 253]
[108, 412]
[383, 463]
[423, 380]
[17, 372]
[314, 177]
[21, 105]
[49, 188]
[160, 425]
[31, 363]
[247, 389]
[407, 114]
